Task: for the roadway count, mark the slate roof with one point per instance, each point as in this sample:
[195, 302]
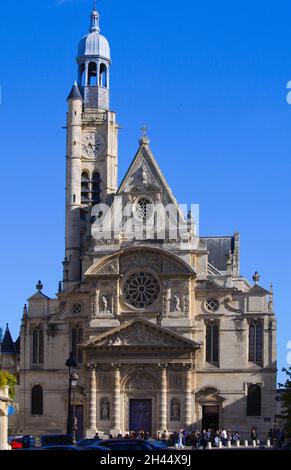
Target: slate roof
[218, 248]
[7, 345]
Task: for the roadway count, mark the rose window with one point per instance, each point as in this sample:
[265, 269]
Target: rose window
[144, 209]
[77, 309]
[141, 289]
[212, 305]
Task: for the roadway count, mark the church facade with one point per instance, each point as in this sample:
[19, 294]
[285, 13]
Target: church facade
[166, 332]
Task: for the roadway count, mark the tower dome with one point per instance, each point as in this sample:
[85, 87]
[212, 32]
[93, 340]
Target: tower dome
[93, 66]
[94, 43]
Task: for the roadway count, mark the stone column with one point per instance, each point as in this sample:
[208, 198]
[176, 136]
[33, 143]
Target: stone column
[4, 402]
[116, 417]
[163, 399]
[188, 395]
[92, 402]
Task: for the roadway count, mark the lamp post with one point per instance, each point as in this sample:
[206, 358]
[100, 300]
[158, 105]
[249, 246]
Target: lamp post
[74, 379]
[71, 364]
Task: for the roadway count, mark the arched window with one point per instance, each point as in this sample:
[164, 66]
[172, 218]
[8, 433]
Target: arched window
[92, 74]
[37, 346]
[82, 74]
[96, 188]
[85, 191]
[37, 400]
[255, 342]
[76, 340]
[103, 76]
[254, 401]
[212, 343]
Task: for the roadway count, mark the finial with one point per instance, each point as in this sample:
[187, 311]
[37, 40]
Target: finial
[7, 326]
[144, 137]
[95, 20]
[256, 277]
[271, 298]
[60, 290]
[39, 286]
[1, 335]
[25, 312]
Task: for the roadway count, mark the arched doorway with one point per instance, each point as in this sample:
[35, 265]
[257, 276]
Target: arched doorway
[140, 393]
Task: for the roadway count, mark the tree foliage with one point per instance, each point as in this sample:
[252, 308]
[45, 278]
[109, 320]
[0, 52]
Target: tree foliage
[286, 401]
[7, 379]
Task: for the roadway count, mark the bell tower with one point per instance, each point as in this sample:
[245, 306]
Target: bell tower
[92, 147]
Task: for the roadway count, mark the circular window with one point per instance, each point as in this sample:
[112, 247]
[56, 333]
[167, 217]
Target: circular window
[143, 209]
[77, 309]
[141, 289]
[212, 305]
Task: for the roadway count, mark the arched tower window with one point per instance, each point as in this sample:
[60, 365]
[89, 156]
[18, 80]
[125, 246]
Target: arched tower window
[37, 400]
[76, 339]
[212, 343]
[82, 80]
[37, 346]
[254, 401]
[255, 341]
[103, 76]
[85, 190]
[92, 74]
[96, 188]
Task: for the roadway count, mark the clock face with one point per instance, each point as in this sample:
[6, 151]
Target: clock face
[93, 145]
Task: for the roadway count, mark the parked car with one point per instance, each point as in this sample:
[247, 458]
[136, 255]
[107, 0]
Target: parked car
[15, 442]
[88, 442]
[19, 442]
[56, 440]
[129, 445]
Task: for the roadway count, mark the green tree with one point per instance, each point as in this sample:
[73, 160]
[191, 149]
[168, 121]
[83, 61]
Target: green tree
[9, 380]
[286, 401]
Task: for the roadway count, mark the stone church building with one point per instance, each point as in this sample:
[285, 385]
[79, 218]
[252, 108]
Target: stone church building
[166, 331]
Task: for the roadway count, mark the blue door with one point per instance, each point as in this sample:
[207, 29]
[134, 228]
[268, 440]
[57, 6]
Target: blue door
[140, 418]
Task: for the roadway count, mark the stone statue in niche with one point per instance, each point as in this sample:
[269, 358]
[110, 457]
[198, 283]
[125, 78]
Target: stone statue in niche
[104, 303]
[176, 304]
[104, 410]
[175, 410]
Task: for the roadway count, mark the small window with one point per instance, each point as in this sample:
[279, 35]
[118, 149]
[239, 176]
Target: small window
[212, 305]
[96, 188]
[254, 401]
[77, 309]
[37, 400]
[85, 190]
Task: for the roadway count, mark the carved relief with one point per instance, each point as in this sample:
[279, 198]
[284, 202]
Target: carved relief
[110, 268]
[130, 262]
[138, 336]
[140, 382]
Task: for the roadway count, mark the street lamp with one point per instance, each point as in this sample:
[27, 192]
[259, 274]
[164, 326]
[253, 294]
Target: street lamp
[71, 364]
[74, 379]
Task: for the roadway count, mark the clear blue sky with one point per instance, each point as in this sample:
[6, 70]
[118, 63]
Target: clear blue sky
[209, 78]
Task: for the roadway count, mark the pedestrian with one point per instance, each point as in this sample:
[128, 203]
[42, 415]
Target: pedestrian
[179, 440]
[204, 439]
[223, 437]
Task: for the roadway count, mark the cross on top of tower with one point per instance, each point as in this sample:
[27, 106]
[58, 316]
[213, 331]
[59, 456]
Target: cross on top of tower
[144, 137]
[95, 19]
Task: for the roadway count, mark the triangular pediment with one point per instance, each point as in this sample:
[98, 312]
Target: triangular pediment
[142, 333]
[145, 176]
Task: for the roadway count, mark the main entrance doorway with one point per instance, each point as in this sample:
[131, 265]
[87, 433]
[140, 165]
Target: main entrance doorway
[140, 415]
[210, 417]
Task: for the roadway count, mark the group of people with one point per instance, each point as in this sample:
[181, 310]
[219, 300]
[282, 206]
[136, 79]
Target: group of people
[198, 439]
[277, 437]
